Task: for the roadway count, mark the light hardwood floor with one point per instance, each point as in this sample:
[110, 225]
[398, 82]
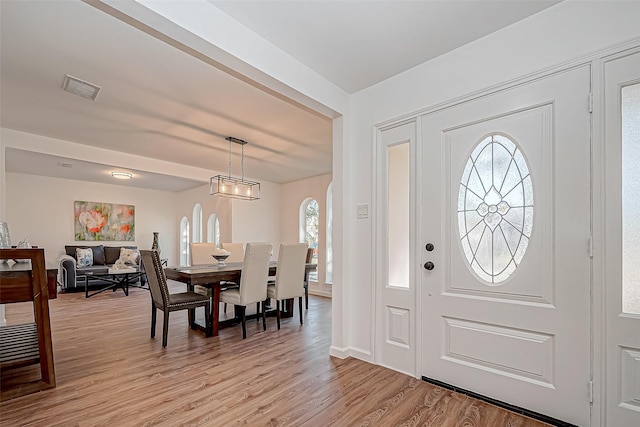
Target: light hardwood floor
[111, 373]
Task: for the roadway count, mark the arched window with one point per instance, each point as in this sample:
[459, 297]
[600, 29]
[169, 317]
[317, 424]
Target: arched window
[213, 230]
[197, 223]
[184, 241]
[329, 230]
[309, 221]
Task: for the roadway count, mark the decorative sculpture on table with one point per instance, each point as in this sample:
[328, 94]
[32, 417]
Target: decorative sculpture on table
[23, 244]
[5, 239]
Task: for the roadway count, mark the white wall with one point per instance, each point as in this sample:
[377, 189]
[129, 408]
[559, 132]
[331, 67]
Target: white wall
[3, 182]
[258, 220]
[559, 34]
[293, 194]
[221, 206]
[41, 210]
[26, 198]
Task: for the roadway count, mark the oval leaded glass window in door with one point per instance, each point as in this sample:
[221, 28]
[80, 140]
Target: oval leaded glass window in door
[495, 208]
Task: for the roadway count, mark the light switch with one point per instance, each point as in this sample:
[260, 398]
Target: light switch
[362, 211]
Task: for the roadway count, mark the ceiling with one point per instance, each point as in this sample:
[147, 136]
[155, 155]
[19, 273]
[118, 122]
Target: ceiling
[356, 44]
[158, 102]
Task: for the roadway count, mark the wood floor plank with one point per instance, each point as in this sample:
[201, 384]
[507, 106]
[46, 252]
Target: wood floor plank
[111, 373]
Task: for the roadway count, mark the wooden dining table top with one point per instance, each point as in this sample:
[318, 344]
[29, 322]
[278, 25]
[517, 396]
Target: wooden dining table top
[203, 274]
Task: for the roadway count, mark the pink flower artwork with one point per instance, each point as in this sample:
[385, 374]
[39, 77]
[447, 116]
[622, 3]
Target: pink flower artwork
[96, 221]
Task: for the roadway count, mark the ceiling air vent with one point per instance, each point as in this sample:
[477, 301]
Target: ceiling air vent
[79, 87]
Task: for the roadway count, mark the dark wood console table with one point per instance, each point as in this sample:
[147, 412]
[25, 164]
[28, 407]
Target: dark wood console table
[26, 344]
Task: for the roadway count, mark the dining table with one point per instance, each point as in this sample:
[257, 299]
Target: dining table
[214, 277]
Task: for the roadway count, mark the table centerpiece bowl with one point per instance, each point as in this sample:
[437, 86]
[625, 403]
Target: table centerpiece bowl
[221, 259]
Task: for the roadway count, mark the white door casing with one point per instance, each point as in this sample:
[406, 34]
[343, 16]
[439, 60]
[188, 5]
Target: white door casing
[522, 339]
[395, 302]
[622, 325]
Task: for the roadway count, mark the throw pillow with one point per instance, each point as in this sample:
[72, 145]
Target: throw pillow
[128, 257]
[84, 257]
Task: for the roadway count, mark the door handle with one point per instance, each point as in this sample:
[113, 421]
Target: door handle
[429, 265]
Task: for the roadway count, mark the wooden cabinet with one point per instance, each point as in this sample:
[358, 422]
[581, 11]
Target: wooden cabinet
[26, 344]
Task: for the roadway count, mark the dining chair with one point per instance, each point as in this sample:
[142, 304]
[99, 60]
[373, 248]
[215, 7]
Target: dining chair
[289, 281]
[237, 251]
[237, 255]
[306, 279]
[201, 253]
[161, 299]
[253, 283]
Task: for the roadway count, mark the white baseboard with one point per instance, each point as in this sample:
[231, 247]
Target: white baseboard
[339, 352]
[344, 352]
[361, 354]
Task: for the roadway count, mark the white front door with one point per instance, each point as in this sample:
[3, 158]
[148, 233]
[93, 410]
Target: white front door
[622, 242]
[395, 296]
[506, 206]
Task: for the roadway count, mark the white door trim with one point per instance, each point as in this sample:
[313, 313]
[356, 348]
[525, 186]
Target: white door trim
[597, 59]
[405, 299]
[599, 197]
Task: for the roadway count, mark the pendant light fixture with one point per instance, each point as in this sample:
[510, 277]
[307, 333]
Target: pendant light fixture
[237, 188]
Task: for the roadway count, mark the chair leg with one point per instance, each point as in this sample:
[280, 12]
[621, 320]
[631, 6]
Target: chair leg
[300, 308]
[165, 328]
[306, 295]
[278, 312]
[243, 309]
[153, 319]
[257, 312]
[225, 307]
[264, 317]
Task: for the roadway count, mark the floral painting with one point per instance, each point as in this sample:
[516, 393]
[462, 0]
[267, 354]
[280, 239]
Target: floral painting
[104, 221]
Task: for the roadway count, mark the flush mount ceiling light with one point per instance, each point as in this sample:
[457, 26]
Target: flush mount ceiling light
[237, 188]
[122, 175]
[79, 87]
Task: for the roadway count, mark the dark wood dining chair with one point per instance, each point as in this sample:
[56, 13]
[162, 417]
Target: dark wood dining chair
[161, 299]
[253, 283]
[289, 281]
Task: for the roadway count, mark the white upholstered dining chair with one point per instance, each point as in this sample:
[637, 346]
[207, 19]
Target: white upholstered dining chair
[237, 251]
[201, 253]
[289, 281]
[253, 283]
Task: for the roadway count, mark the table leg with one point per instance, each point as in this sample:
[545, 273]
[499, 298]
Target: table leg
[287, 308]
[215, 310]
[192, 311]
